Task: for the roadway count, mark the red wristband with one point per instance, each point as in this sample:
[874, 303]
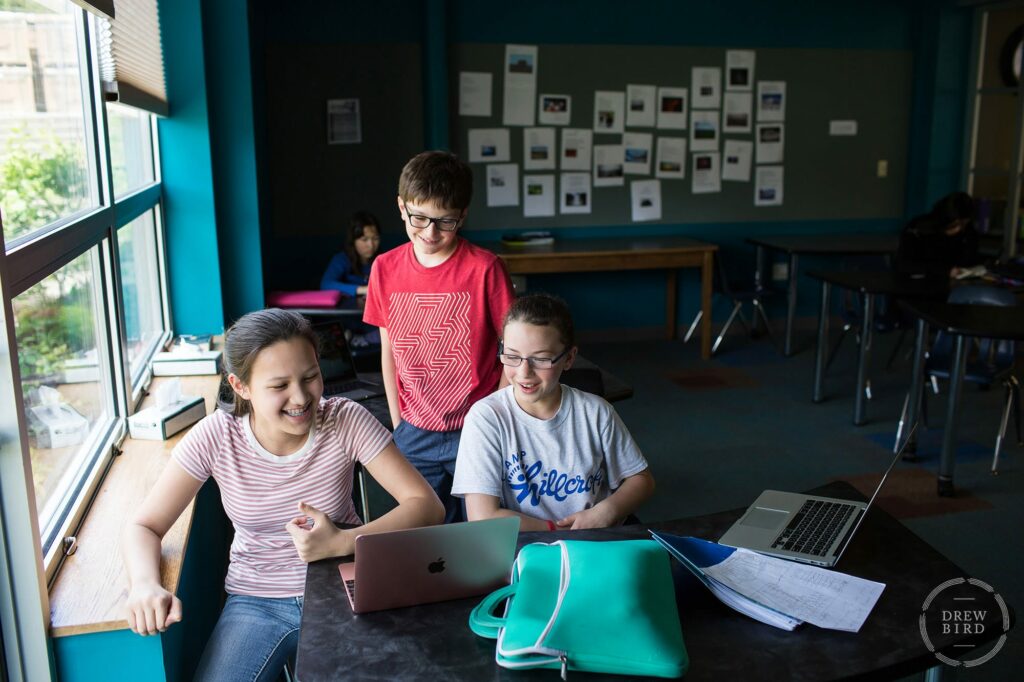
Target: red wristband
[551, 525]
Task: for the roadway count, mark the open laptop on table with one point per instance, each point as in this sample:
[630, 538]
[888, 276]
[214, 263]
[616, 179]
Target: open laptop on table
[432, 564]
[805, 528]
[338, 368]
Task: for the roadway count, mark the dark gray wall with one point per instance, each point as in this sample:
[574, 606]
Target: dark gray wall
[825, 177]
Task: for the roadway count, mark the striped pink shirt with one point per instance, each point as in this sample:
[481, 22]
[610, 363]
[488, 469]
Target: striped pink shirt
[260, 491]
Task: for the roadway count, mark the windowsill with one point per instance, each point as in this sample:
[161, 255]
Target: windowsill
[89, 592]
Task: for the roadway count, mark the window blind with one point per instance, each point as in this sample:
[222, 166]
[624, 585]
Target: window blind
[131, 60]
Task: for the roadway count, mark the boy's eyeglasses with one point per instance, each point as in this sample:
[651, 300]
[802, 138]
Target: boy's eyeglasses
[536, 363]
[421, 222]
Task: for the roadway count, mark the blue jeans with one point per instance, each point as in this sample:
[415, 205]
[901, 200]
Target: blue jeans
[253, 639]
[433, 454]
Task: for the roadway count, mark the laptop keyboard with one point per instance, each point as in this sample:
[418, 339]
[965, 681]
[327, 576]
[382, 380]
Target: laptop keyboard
[350, 585]
[336, 387]
[814, 528]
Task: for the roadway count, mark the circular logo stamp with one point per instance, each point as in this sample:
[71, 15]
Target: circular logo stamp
[967, 613]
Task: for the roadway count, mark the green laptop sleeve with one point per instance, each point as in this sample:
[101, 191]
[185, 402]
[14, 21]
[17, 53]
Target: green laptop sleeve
[591, 606]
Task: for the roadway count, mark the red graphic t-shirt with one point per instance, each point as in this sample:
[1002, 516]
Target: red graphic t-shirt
[444, 324]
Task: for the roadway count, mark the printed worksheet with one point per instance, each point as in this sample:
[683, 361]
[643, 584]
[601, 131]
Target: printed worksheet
[503, 184]
[520, 85]
[475, 93]
[640, 106]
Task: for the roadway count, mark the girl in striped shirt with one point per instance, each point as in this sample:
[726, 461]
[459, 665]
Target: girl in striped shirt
[283, 458]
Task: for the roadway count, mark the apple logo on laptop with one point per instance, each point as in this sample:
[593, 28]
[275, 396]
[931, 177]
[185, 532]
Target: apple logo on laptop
[436, 566]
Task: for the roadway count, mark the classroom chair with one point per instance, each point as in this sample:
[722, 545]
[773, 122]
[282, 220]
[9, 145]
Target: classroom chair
[992, 362]
[739, 292]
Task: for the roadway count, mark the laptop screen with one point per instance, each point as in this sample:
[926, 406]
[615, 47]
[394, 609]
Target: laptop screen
[335, 357]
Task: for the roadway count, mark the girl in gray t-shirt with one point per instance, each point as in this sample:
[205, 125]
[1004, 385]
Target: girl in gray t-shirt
[557, 457]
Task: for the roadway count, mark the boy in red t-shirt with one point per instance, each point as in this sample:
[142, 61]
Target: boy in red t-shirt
[439, 302]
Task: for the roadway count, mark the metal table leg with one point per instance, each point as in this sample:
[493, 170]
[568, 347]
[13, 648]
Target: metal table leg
[865, 358]
[914, 396]
[819, 360]
[956, 384]
[791, 309]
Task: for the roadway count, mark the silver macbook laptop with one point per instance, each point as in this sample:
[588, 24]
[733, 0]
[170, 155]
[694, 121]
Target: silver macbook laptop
[806, 528]
[338, 368]
[432, 564]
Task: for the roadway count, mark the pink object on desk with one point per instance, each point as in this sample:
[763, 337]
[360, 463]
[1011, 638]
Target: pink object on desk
[320, 298]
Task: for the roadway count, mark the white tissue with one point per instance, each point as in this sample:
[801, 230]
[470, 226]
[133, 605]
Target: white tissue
[168, 394]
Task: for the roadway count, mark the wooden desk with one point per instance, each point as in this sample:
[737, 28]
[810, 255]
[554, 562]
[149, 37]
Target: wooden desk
[962, 322]
[869, 285]
[434, 642]
[796, 245]
[641, 253]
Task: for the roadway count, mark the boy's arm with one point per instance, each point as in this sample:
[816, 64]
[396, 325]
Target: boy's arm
[480, 506]
[387, 369]
[611, 511]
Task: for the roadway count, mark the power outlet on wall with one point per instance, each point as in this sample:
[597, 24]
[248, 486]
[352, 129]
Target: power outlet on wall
[780, 272]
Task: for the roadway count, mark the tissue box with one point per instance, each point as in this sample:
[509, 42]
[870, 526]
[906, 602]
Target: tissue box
[57, 425]
[182, 363]
[154, 423]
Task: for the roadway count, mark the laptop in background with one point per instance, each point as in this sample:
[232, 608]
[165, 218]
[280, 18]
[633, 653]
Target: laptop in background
[338, 368]
[805, 528]
[425, 565]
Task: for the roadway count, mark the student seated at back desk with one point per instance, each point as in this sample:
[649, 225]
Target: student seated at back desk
[349, 269]
[941, 242]
[557, 457]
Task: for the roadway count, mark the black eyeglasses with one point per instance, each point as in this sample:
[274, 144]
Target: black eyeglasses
[536, 363]
[421, 222]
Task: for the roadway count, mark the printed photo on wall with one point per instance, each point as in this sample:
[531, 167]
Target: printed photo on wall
[739, 70]
[771, 101]
[554, 110]
[706, 87]
[736, 112]
[488, 145]
[538, 148]
[705, 177]
[770, 141]
[575, 193]
[704, 130]
[640, 106]
[503, 184]
[538, 195]
[637, 153]
[672, 108]
[645, 200]
[608, 165]
[576, 144]
[520, 90]
[768, 186]
[736, 160]
[609, 111]
[671, 161]
[344, 125]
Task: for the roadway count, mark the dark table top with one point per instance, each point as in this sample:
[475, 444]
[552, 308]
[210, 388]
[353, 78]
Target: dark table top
[434, 641]
[836, 244]
[987, 321]
[885, 283]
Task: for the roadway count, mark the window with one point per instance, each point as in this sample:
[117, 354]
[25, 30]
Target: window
[80, 346]
[66, 386]
[45, 167]
[141, 292]
[131, 148]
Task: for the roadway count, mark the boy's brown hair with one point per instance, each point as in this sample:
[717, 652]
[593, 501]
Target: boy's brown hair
[436, 177]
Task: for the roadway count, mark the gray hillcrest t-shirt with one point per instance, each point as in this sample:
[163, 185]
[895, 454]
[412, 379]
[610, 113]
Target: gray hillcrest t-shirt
[550, 468]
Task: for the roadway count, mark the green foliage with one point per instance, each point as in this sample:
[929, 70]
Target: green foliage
[41, 180]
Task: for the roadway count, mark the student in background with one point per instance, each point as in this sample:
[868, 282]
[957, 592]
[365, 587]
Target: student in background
[439, 302]
[557, 457]
[283, 459]
[941, 242]
[349, 269]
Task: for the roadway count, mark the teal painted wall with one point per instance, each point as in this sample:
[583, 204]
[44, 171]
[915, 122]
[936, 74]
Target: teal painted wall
[229, 87]
[186, 167]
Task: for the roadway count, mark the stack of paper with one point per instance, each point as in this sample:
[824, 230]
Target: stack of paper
[776, 591]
